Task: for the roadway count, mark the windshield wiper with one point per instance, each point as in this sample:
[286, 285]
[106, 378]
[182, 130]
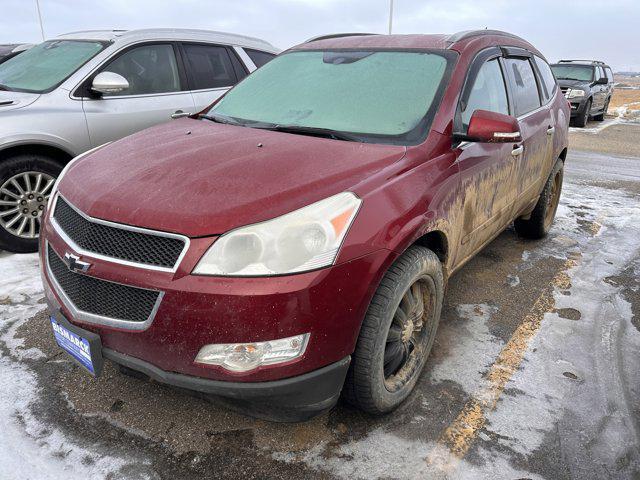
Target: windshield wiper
[314, 131]
[221, 119]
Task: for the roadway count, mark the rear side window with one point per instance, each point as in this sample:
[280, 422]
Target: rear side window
[523, 85]
[599, 73]
[149, 69]
[209, 66]
[258, 57]
[548, 80]
[488, 92]
[609, 73]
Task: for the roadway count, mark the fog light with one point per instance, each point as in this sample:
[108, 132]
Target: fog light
[242, 357]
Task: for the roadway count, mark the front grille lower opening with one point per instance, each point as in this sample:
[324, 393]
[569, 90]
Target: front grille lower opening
[100, 297]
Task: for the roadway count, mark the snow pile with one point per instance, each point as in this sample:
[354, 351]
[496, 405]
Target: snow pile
[31, 449]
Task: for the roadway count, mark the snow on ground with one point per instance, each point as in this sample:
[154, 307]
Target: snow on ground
[570, 368]
[591, 349]
[623, 114]
[475, 346]
[30, 449]
[543, 390]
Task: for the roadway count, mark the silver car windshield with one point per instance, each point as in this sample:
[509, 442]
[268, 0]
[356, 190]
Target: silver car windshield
[374, 96]
[45, 66]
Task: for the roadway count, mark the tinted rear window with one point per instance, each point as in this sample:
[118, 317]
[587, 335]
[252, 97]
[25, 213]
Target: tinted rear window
[609, 73]
[209, 66]
[258, 57]
[523, 85]
[548, 80]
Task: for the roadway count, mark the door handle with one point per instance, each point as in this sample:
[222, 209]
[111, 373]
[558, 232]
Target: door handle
[180, 114]
[517, 151]
[550, 130]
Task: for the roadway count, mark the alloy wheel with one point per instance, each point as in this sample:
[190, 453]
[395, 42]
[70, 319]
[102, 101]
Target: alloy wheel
[409, 334]
[23, 199]
[553, 200]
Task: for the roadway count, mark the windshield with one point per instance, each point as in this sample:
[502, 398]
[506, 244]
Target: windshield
[573, 72]
[43, 67]
[373, 96]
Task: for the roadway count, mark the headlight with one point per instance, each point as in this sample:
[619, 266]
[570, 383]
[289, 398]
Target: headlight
[66, 169]
[575, 93]
[303, 240]
[243, 357]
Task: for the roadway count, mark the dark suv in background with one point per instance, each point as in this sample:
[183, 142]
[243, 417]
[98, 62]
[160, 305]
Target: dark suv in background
[588, 85]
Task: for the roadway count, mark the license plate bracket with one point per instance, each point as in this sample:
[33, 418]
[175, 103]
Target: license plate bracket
[83, 346]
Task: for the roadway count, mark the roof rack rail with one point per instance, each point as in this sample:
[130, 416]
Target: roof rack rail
[596, 62]
[456, 37]
[339, 35]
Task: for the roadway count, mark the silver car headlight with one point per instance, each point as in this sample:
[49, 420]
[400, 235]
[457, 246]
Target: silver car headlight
[306, 239]
[66, 169]
[575, 93]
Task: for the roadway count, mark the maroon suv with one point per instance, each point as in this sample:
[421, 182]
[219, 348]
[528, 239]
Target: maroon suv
[293, 242]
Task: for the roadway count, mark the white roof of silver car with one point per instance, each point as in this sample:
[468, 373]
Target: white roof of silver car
[170, 34]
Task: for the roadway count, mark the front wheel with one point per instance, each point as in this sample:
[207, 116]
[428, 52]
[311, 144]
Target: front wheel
[583, 118]
[26, 182]
[397, 333]
[600, 116]
[541, 218]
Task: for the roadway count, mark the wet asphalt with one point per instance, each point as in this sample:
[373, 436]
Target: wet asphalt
[533, 373]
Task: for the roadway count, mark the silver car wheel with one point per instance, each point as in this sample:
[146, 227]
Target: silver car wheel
[23, 199]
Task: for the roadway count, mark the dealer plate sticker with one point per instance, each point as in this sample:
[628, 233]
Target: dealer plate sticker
[73, 344]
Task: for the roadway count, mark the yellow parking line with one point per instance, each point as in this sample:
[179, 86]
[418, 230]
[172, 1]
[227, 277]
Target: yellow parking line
[457, 439]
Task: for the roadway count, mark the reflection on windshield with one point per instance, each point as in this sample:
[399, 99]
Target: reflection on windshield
[45, 66]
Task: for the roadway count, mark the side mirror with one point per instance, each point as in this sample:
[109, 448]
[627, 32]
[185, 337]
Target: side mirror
[602, 81]
[492, 127]
[109, 82]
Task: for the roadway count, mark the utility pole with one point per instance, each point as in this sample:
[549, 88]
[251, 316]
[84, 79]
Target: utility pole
[40, 19]
[390, 16]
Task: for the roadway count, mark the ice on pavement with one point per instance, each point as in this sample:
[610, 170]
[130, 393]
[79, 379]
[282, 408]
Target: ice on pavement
[541, 393]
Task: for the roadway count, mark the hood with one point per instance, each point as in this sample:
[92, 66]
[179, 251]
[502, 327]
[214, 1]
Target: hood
[200, 178]
[573, 83]
[13, 100]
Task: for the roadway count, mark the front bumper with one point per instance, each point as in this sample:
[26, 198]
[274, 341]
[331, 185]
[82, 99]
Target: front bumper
[329, 304]
[288, 400]
[578, 106]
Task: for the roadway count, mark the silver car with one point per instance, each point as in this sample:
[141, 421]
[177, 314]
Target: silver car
[81, 90]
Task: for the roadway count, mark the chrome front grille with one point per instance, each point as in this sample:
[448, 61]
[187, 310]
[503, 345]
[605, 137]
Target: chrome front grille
[99, 301]
[117, 242]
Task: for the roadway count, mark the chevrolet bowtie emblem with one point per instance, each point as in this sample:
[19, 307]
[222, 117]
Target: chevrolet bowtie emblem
[74, 263]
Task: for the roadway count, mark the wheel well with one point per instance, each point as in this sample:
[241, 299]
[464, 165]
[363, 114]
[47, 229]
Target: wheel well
[563, 155]
[436, 241]
[53, 153]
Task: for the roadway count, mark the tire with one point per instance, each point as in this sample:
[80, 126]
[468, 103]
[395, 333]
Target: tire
[582, 119]
[600, 116]
[24, 168]
[541, 218]
[368, 386]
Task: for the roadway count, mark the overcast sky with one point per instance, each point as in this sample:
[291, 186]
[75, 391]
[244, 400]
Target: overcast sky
[607, 30]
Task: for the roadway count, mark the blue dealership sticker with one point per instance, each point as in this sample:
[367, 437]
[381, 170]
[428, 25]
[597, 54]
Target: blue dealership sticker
[73, 344]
